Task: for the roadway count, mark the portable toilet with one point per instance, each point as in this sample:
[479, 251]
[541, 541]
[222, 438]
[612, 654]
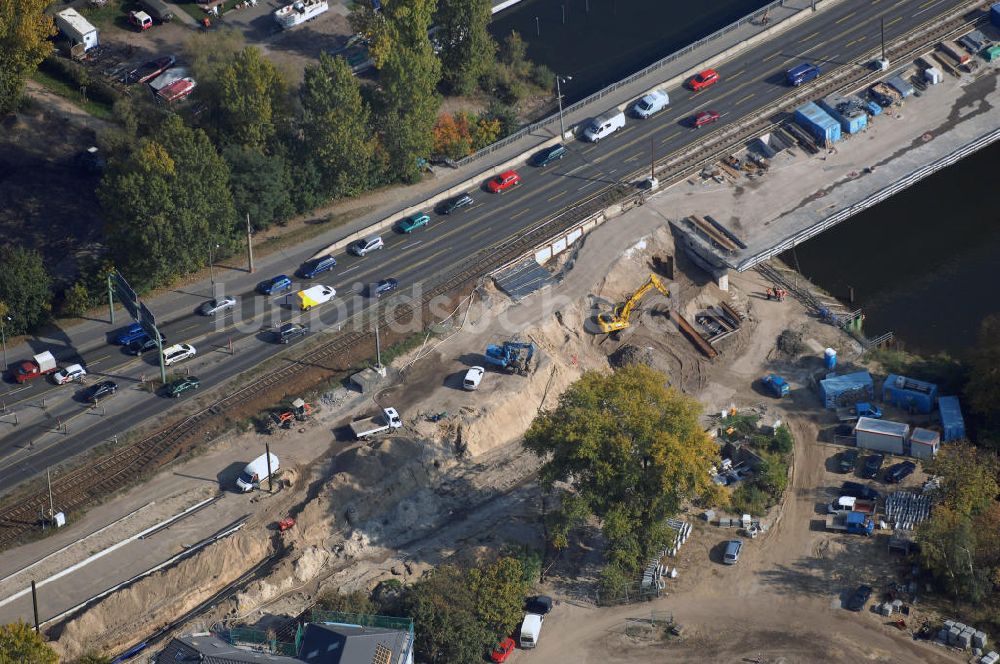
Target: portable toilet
[830, 359]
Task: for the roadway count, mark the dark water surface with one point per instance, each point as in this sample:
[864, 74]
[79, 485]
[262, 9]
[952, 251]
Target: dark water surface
[615, 38]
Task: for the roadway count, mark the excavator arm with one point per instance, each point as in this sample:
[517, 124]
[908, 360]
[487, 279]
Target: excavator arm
[619, 320]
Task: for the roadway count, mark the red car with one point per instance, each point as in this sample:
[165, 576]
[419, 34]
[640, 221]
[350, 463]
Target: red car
[503, 650]
[704, 118]
[702, 80]
[503, 182]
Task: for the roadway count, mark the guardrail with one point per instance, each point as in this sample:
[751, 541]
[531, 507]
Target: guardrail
[659, 64]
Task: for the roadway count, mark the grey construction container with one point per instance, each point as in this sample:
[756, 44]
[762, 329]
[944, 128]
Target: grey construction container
[849, 112]
[924, 443]
[900, 85]
[881, 435]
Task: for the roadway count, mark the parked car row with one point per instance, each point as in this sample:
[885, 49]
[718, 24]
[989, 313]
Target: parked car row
[848, 459]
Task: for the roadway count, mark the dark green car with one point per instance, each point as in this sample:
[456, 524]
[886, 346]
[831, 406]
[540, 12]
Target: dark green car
[178, 387]
[414, 221]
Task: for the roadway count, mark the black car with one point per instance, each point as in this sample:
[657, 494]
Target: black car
[899, 472]
[872, 465]
[539, 605]
[316, 266]
[140, 346]
[455, 203]
[103, 389]
[860, 597]
[384, 286]
[548, 155]
[289, 332]
[858, 490]
[847, 461]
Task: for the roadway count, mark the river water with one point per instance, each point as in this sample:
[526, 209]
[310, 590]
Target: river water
[921, 264]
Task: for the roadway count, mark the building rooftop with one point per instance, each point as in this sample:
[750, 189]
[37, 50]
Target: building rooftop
[924, 436]
[887, 427]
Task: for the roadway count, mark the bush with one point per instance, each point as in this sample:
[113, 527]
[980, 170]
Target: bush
[783, 441]
[77, 300]
[542, 76]
[748, 498]
[355, 602]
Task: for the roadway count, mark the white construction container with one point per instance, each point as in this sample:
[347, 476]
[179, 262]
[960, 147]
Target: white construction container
[924, 443]
[933, 75]
[77, 28]
[881, 435]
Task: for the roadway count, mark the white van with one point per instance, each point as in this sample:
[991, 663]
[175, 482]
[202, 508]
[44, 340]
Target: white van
[531, 626]
[604, 125]
[255, 472]
[472, 378]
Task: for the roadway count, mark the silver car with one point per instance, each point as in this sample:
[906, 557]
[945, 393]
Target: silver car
[368, 244]
[732, 553]
[213, 307]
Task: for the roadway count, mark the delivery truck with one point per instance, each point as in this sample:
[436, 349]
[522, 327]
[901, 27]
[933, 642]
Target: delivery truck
[39, 365]
[315, 296]
[385, 422]
[255, 472]
[851, 504]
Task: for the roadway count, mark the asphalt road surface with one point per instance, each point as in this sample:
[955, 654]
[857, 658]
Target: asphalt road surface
[54, 422]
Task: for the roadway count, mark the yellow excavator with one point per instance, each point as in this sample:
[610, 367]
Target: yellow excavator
[618, 320]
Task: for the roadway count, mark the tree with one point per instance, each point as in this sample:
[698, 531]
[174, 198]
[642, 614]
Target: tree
[167, 205]
[408, 75]
[452, 135]
[631, 449]
[968, 478]
[25, 29]
[24, 289]
[444, 620]
[261, 185]
[498, 591]
[468, 52]
[76, 301]
[209, 55]
[336, 122]
[251, 99]
[983, 389]
[353, 602]
[20, 644]
[94, 658]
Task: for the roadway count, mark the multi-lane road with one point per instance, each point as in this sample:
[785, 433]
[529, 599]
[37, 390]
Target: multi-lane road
[836, 37]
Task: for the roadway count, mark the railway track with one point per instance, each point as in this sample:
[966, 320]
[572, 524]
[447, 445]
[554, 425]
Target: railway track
[84, 486]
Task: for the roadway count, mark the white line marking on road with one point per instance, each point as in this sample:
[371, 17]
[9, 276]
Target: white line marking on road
[349, 269]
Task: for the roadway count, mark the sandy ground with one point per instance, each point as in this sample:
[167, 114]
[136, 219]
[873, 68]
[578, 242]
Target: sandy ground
[367, 512]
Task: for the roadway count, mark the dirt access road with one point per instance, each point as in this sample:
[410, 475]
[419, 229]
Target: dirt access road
[782, 601]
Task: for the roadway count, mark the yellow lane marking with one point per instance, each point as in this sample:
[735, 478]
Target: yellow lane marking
[841, 20]
[771, 57]
[518, 214]
[743, 99]
[895, 20]
[809, 37]
[561, 193]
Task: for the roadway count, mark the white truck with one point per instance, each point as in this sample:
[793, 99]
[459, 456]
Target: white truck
[385, 422]
[315, 296]
[531, 627]
[255, 472]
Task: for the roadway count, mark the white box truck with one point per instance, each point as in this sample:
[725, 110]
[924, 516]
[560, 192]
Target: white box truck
[77, 28]
[315, 296]
[531, 627]
[255, 472]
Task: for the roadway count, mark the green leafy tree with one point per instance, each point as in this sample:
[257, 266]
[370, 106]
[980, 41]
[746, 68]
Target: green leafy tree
[209, 54]
[498, 590]
[631, 449]
[167, 205]
[251, 99]
[442, 607]
[77, 300]
[25, 29]
[24, 290]
[772, 475]
[336, 122]
[20, 644]
[408, 77]
[261, 185]
[983, 389]
[968, 478]
[468, 52]
[783, 441]
[353, 602]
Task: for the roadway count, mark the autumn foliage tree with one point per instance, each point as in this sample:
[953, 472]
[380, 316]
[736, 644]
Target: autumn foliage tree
[25, 29]
[20, 644]
[631, 450]
[459, 134]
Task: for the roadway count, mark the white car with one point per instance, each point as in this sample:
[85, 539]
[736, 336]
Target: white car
[69, 374]
[653, 103]
[218, 305]
[472, 378]
[177, 352]
[369, 244]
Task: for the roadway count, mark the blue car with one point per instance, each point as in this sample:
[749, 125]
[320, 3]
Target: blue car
[130, 334]
[316, 266]
[274, 285]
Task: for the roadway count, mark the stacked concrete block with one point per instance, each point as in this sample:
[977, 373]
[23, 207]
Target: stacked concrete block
[992, 657]
[885, 609]
[965, 638]
[953, 633]
[979, 640]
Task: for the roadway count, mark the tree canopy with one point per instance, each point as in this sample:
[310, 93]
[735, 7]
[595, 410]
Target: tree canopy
[261, 185]
[24, 291]
[983, 389]
[444, 618]
[167, 205]
[25, 29]
[468, 52]
[631, 450]
[20, 644]
[337, 124]
[251, 99]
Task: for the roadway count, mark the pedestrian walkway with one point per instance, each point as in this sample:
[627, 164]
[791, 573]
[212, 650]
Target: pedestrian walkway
[170, 304]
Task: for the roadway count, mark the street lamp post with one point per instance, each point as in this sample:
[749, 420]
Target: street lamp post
[211, 261]
[3, 340]
[559, 81]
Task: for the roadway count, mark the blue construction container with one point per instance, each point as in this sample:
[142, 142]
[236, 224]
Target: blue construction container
[915, 396]
[818, 123]
[995, 14]
[873, 108]
[952, 422]
[846, 390]
[849, 112]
